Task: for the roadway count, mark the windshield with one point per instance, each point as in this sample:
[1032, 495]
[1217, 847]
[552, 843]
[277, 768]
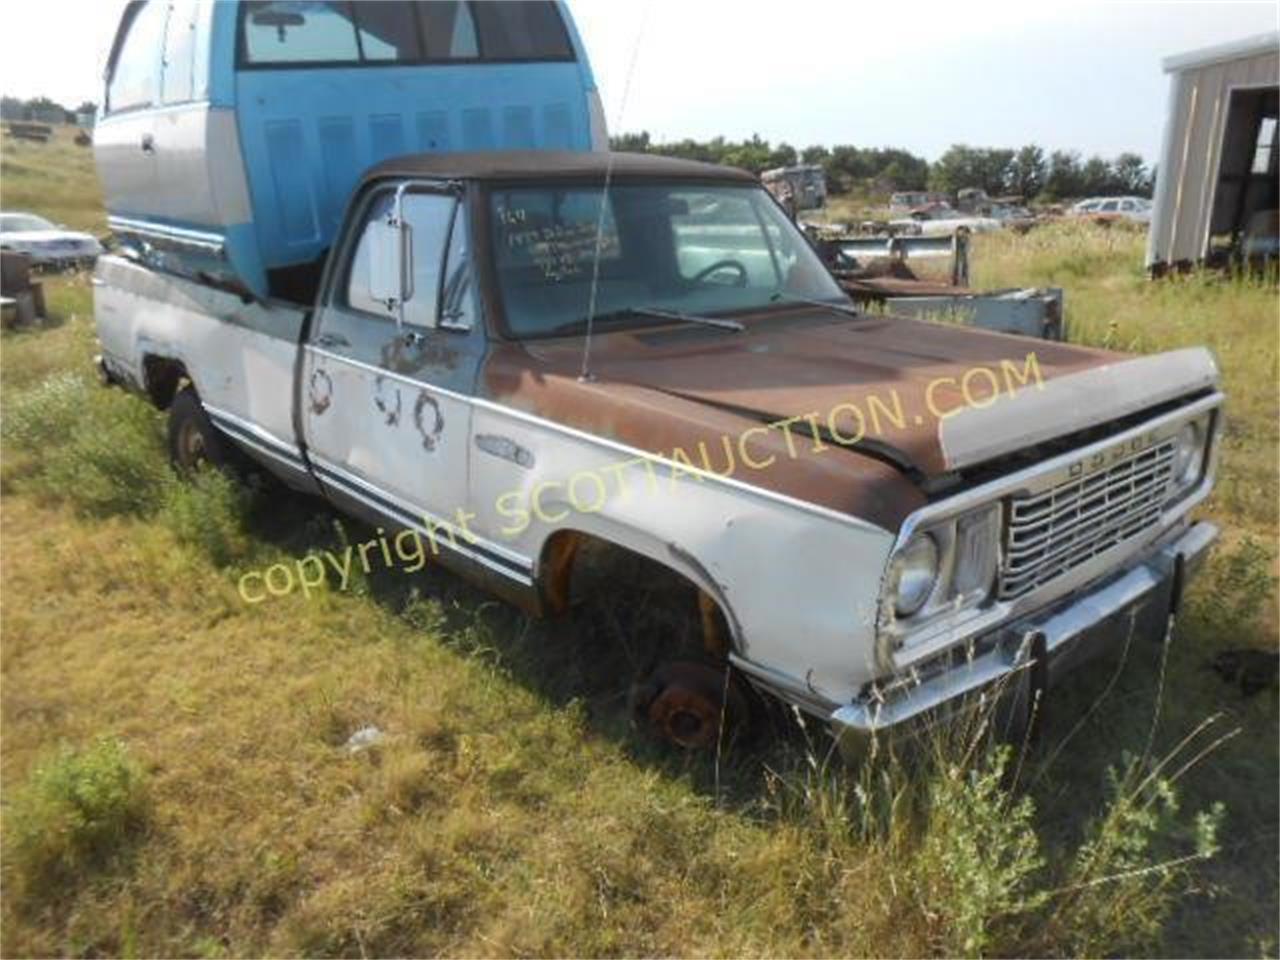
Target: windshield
[22, 223]
[684, 248]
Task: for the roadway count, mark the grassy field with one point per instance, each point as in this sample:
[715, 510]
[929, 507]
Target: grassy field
[174, 777]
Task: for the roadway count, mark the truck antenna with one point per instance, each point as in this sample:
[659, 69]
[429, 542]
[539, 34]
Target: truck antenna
[585, 375]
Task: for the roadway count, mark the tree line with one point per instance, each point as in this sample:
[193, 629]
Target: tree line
[1028, 172]
[13, 108]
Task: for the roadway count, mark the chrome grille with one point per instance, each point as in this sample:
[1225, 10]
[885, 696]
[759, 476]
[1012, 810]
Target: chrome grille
[1052, 532]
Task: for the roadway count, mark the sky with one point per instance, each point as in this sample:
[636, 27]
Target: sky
[923, 76]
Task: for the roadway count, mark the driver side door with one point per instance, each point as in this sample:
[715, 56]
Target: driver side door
[385, 406]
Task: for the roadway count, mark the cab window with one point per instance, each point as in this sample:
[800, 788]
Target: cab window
[135, 73]
[299, 31]
[457, 301]
[448, 31]
[280, 32]
[429, 216]
[387, 31]
[521, 30]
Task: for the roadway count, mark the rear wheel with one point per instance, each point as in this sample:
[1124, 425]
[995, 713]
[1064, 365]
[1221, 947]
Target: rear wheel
[194, 442]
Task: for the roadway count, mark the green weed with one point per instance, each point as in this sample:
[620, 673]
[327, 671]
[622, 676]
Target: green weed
[75, 814]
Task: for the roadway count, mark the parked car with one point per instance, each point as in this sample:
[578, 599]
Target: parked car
[1135, 209]
[47, 244]
[531, 371]
[941, 219]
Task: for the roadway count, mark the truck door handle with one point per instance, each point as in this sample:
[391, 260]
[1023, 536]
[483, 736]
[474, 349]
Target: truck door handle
[148, 143]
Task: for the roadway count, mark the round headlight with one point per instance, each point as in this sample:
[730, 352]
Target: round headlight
[913, 573]
[1188, 449]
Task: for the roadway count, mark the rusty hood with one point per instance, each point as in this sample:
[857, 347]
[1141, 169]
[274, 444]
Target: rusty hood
[924, 398]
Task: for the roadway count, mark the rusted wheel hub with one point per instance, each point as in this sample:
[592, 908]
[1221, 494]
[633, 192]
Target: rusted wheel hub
[192, 455]
[687, 703]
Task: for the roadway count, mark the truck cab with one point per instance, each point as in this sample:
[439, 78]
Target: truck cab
[231, 135]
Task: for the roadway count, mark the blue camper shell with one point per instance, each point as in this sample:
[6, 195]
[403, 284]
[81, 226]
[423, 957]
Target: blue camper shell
[231, 134]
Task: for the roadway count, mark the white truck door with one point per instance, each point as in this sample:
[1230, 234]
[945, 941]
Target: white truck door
[384, 408]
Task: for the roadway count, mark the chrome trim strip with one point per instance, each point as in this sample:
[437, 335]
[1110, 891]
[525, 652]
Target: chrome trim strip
[209, 242]
[295, 465]
[785, 687]
[414, 513]
[522, 579]
[949, 631]
[631, 452]
[254, 431]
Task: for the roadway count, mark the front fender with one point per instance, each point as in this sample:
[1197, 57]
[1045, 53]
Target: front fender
[798, 583]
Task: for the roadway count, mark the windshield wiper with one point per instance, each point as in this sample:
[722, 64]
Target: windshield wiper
[849, 310]
[717, 322]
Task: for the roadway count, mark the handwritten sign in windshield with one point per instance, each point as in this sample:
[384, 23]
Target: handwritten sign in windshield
[561, 250]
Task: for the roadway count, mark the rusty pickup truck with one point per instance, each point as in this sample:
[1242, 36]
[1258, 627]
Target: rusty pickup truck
[523, 354]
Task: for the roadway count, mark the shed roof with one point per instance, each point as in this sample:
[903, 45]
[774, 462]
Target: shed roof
[1235, 50]
[550, 164]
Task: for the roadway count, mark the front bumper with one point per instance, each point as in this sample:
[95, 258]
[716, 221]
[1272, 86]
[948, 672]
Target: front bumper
[1042, 647]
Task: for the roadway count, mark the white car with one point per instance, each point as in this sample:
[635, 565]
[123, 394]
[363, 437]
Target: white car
[47, 244]
[1137, 209]
[944, 224]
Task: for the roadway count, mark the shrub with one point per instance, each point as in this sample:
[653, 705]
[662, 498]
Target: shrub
[1124, 879]
[211, 514]
[967, 856]
[978, 863]
[75, 813]
[45, 414]
[101, 451]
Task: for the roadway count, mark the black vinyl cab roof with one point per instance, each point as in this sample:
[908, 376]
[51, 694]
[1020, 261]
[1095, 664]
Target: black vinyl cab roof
[500, 165]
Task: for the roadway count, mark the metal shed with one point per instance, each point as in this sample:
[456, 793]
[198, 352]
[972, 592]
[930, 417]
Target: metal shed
[1216, 186]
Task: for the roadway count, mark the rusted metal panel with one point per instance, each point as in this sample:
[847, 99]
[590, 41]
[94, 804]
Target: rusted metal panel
[891, 376]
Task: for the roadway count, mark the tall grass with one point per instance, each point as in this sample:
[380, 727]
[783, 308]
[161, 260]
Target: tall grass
[56, 179]
[103, 453]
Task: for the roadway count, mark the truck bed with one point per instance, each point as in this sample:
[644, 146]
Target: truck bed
[150, 322]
